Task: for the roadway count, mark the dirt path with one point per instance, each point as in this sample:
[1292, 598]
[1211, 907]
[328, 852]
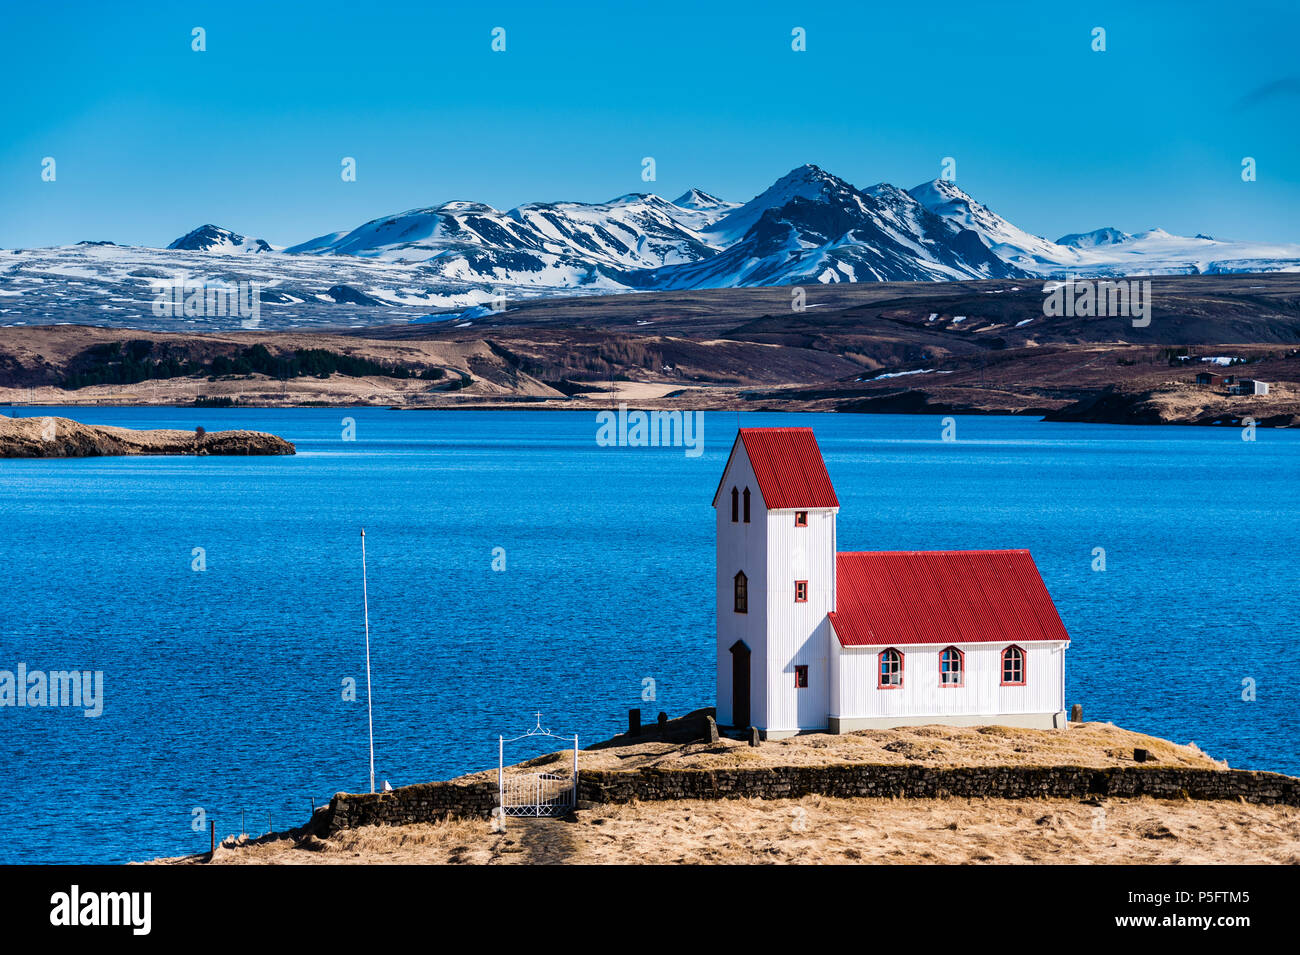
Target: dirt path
[545, 841]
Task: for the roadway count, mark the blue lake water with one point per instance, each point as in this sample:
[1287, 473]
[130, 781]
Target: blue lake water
[223, 688]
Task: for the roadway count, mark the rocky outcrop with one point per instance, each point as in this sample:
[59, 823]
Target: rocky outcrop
[1180, 405]
[51, 437]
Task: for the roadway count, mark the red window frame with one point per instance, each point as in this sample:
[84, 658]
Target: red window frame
[798, 586]
[800, 518]
[1024, 666]
[801, 677]
[961, 668]
[880, 676]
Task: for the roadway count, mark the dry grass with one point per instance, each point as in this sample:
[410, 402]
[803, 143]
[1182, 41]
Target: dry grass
[1090, 745]
[820, 830]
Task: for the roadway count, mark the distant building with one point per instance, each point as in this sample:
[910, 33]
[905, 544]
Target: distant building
[810, 638]
[1209, 378]
[1248, 386]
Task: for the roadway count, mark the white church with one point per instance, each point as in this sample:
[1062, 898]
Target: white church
[810, 638]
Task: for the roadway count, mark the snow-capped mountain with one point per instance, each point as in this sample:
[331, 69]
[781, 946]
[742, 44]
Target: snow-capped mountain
[1106, 251]
[630, 232]
[699, 210]
[811, 226]
[1010, 243]
[808, 227]
[1090, 240]
[211, 238]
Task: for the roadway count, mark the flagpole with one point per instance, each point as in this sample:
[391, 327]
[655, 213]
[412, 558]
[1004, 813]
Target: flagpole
[365, 603]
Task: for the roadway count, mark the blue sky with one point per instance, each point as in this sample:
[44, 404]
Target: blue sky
[152, 139]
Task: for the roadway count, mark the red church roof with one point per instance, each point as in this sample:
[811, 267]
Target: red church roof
[789, 467]
[899, 597]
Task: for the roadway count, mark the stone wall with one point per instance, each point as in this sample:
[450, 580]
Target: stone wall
[427, 802]
[423, 802]
[994, 782]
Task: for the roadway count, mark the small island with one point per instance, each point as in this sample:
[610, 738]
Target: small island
[50, 437]
[683, 793]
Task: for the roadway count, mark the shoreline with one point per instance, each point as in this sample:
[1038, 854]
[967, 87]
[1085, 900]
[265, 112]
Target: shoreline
[1278, 421]
[50, 436]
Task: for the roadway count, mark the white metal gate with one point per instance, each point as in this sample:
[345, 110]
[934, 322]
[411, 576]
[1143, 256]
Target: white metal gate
[535, 794]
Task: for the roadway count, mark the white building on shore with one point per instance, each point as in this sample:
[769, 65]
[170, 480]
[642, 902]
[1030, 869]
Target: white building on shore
[810, 638]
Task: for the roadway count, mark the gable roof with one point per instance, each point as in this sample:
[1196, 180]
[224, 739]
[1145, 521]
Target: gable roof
[885, 598]
[788, 465]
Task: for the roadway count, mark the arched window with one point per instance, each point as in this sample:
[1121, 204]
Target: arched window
[735, 505]
[952, 667]
[891, 669]
[746, 505]
[1013, 667]
[742, 592]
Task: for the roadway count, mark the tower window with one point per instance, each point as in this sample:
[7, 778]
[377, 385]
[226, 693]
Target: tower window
[891, 670]
[735, 505]
[1013, 666]
[801, 677]
[742, 592]
[746, 505]
[800, 518]
[801, 591]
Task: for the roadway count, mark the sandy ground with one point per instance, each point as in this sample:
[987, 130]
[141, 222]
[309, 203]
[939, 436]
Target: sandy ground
[820, 830]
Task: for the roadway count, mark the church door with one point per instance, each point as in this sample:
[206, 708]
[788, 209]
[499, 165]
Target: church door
[740, 685]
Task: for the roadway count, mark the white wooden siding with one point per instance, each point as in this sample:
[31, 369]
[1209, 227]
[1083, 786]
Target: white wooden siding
[858, 696]
[799, 633]
[742, 547]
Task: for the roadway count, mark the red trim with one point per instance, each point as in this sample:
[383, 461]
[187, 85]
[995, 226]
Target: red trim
[1002, 664]
[798, 670]
[902, 663]
[800, 518]
[804, 598]
[961, 669]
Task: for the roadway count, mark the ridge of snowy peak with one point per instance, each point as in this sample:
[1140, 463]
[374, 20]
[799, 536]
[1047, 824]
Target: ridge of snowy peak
[456, 205]
[634, 231]
[1010, 242]
[631, 232]
[700, 200]
[213, 238]
[632, 199]
[803, 182]
[1094, 239]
